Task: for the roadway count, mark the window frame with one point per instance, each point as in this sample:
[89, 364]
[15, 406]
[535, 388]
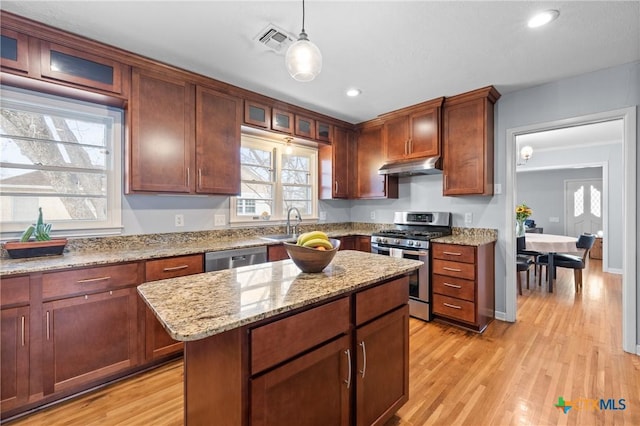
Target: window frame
[42, 102]
[278, 214]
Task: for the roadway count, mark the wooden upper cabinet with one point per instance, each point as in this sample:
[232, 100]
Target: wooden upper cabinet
[162, 135]
[80, 68]
[305, 127]
[218, 118]
[335, 170]
[370, 158]
[468, 143]
[257, 114]
[282, 121]
[324, 132]
[15, 51]
[414, 132]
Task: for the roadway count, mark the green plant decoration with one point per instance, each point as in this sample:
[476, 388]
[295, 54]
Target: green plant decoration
[40, 230]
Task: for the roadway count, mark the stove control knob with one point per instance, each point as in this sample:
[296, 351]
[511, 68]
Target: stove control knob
[396, 241]
[409, 243]
[418, 243]
[383, 240]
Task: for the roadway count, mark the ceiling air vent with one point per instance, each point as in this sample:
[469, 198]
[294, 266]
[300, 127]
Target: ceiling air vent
[275, 38]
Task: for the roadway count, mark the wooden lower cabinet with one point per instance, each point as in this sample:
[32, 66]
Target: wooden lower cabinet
[382, 386]
[463, 284]
[340, 362]
[276, 252]
[363, 243]
[158, 343]
[312, 389]
[88, 337]
[14, 353]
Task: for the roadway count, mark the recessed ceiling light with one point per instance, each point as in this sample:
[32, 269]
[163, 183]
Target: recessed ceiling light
[543, 18]
[352, 93]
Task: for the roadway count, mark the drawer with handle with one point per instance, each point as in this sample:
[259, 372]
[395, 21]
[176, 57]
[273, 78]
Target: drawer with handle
[454, 269]
[172, 267]
[454, 287]
[454, 252]
[89, 280]
[458, 309]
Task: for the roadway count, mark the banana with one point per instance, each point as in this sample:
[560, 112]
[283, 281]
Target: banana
[318, 242]
[308, 236]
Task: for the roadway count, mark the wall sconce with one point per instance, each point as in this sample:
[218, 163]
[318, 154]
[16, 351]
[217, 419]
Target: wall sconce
[525, 153]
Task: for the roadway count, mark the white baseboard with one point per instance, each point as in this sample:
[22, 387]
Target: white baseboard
[614, 271]
[502, 316]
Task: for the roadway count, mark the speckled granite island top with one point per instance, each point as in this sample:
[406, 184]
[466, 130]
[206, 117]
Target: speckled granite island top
[199, 306]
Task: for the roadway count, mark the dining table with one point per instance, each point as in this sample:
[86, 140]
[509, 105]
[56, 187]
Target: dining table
[551, 244]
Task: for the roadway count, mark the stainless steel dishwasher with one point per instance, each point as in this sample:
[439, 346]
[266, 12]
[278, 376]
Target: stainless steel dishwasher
[227, 259]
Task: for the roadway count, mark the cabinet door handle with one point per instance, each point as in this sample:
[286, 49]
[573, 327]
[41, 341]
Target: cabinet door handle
[410, 150]
[199, 178]
[446, 268]
[452, 306]
[364, 359]
[48, 333]
[93, 280]
[452, 253]
[348, 380]
[336, 187]
[452, 285]
[188, 176]
[22, 330]
[175, 268]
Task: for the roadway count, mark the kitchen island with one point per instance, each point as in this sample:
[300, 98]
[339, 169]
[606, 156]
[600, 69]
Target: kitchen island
[266, 344]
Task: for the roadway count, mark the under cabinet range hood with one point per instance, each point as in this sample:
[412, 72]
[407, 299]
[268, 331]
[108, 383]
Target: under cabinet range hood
[423, 166]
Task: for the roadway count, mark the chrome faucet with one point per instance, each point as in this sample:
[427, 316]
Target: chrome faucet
[295, 227]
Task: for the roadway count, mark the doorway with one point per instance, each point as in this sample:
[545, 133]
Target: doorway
[583, 207]
[629, 236]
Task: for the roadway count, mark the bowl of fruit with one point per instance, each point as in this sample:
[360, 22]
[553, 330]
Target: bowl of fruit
[313, 251]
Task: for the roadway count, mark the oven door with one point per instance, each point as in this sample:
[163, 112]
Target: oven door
[418, 280]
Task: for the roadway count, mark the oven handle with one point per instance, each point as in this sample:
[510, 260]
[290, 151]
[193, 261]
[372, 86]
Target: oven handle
[415, 253]
[409, 252]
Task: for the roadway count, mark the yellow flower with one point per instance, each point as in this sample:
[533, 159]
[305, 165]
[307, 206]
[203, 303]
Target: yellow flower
[523, 211]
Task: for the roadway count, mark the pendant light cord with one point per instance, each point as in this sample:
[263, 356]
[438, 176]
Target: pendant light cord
[302, 15]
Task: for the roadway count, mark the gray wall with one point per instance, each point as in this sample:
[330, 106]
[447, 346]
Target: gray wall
[543, 191]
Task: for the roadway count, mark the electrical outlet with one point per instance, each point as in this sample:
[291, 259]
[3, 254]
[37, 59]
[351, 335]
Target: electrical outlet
[323, 215]
[554, 219]
[497, 188]
[179, 220]
[468, 218]
[372, 215]
[219, 220]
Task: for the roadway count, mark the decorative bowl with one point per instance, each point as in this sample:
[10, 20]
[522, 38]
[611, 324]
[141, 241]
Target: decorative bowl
[311, 260]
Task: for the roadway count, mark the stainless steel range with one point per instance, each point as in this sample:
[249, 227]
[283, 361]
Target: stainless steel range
[410, 239]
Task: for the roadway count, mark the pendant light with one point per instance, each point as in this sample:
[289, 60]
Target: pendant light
[303, 59]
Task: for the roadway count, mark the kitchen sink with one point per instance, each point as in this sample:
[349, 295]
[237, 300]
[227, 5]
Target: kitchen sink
[280, 237]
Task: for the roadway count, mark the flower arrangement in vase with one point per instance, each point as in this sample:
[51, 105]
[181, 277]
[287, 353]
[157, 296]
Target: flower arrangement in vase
[522, 213]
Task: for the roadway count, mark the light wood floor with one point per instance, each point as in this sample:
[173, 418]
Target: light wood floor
[562, 345]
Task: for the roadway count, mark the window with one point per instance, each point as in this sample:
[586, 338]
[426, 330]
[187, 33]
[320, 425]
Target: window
[274, 179]
[62, 155]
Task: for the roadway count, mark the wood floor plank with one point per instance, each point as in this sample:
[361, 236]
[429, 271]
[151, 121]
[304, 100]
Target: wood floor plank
[563, 344]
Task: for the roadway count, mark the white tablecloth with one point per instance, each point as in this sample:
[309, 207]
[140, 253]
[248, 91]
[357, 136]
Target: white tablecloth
[551, 243]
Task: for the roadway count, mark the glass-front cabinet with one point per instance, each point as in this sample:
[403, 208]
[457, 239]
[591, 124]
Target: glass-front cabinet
[305, 127]
[282, 121]
[80, 68]
[14, 51]
[257, 114]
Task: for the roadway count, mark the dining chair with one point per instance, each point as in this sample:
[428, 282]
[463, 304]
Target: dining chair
[523, 262]
[570, 261]
[521, 248]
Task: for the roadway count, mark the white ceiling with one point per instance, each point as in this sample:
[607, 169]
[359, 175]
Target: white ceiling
[398, 53]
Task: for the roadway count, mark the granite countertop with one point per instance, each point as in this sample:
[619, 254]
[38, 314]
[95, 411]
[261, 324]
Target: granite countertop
[469, 237]
[129, 249]
[202, 305]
